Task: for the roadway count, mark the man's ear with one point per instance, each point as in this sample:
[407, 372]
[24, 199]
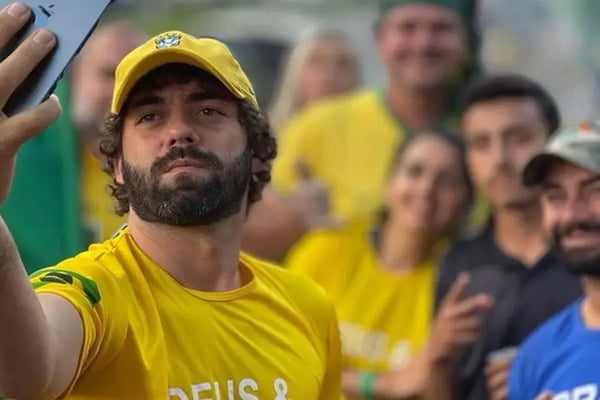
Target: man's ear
[259, 166]
[118, 167]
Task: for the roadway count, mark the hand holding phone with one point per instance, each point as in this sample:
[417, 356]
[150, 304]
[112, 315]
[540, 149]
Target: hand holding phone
[38, 40]
[14, 69]
[72, 22]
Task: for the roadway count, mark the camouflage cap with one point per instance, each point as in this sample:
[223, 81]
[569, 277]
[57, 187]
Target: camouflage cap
[577, 145]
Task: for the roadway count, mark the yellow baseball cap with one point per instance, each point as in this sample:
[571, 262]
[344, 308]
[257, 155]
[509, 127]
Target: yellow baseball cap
[178, 47]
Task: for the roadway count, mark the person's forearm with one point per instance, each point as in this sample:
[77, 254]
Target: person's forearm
[407, 382]
[272, 229]
[440, 385]
[389, 385]
[25, 340]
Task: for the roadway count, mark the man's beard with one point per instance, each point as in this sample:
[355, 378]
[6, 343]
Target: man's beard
[189, 201]
[583, 260]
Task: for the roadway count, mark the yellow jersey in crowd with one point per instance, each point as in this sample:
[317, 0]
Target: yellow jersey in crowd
[349, 143]
[384, 316]
[98, 206]
[147, 337]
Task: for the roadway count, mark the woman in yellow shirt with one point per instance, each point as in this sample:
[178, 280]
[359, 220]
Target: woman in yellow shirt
[382, 278]
[322, 64]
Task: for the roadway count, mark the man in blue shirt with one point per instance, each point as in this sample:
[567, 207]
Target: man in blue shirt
[561, 358]
[506, 120]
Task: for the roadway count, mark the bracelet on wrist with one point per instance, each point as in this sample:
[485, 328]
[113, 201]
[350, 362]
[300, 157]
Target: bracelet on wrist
[366, 384]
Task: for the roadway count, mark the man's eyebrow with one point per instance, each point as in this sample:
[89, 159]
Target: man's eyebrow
[145, 100]
[590, 181]
[203, 95]
[582, 183]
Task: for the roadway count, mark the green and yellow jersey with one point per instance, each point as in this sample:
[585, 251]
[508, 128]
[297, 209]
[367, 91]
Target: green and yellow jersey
[349, 144]
[147, 337]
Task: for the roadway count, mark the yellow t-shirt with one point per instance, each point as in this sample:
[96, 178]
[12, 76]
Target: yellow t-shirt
[349, 144]
[98, 206]
[147, 337]
[384, 316]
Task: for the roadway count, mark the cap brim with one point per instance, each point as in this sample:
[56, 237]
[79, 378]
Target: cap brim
[535, 171]
[157, 59]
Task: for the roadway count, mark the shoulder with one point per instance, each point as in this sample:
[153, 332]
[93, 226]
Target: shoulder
[95, 273]
[290, 287]
[554, 331]
[344, 102]
[330, 109]
[469, 250]
[288, 282]
[338, 236]
[464, 255]
[105, 258]
[541, 352]
[331, 247]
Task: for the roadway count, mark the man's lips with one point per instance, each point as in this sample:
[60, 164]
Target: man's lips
[185, 164]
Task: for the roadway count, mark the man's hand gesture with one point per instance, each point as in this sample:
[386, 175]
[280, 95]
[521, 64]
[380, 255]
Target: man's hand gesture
[458, 321]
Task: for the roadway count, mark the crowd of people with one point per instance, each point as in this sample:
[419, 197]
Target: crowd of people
[437, 238]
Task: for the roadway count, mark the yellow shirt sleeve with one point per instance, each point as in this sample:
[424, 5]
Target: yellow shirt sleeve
[94, 293]
[332, 383]
[306, 257]
[327, 257]
[315, 257]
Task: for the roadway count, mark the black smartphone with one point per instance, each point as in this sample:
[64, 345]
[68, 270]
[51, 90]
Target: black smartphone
[72, 21]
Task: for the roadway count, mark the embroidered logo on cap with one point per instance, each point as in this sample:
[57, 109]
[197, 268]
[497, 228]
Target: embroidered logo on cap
[168, 40]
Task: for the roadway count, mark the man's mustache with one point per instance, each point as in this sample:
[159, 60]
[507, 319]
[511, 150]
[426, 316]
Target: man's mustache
[176, 153]
[568, 229]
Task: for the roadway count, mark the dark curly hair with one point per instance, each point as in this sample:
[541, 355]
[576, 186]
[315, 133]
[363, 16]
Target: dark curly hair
[261, 141]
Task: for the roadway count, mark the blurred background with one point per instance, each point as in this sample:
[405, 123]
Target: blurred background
[368, 191]
[341, 163]
[552, 41]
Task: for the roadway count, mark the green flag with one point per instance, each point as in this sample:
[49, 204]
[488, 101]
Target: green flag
[42, 210]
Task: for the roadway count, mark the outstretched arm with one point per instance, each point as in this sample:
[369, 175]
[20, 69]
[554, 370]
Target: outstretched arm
[41, 337]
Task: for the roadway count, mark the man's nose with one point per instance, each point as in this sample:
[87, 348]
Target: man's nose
[180, 132]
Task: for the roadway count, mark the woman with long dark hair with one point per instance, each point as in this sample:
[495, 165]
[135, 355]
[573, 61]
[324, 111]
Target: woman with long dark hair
[382, 277]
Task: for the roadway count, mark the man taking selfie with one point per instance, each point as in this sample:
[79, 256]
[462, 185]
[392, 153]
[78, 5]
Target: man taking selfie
[169, 306]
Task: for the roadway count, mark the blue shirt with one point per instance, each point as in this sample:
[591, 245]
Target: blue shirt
[562, 356]
[525, 297]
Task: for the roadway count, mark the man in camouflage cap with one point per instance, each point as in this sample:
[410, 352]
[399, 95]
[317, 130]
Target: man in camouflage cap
[560, 358]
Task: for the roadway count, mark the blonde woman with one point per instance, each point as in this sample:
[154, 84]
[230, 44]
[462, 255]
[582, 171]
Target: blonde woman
[321, 64]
